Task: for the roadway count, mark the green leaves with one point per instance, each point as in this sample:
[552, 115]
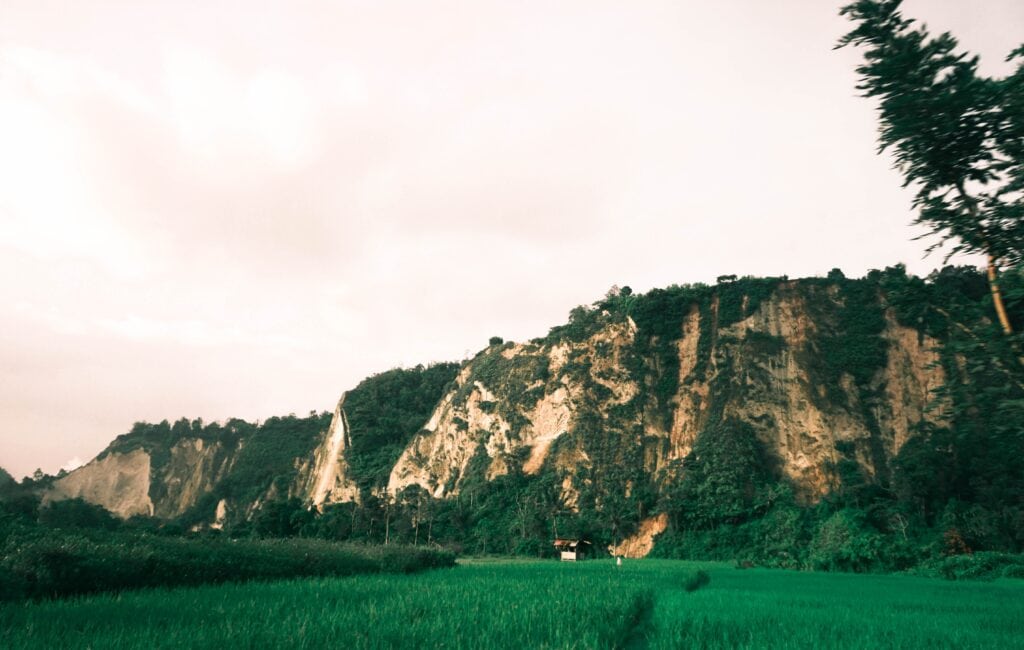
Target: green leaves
[956, 136]
[722, 476]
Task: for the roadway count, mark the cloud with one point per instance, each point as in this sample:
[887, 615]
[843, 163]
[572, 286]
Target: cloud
[51, 75]
[223, 114]
[48, 205]
[193, 332]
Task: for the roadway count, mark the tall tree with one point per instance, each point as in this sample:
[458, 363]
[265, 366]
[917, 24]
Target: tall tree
[957, 136]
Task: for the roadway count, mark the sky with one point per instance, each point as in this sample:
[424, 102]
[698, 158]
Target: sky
[240, 209]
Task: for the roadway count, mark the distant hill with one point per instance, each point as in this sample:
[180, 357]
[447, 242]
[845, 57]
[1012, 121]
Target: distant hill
[5, 478]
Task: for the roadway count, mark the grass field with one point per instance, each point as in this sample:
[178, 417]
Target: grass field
[508, 604]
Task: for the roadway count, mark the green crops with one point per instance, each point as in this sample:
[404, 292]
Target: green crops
[540, 605]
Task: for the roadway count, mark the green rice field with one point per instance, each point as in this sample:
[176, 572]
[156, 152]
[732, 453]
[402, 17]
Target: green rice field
[540, 604]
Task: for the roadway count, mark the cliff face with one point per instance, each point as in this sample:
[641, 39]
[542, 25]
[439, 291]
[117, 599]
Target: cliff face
[821, 370]
[118, 482]
[327, 479]
[766, 370]
[205, 473]
[127, 483]
[512, 404]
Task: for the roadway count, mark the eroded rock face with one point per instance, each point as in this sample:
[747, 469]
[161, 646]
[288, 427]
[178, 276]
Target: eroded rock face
[194, 468]
[800, 421]
[912, 376]
[763, 369]
[329, 480]
[118, 482]
[641, 543]
[130, 483]
[517, 401]
[439, 455]
[549, 419]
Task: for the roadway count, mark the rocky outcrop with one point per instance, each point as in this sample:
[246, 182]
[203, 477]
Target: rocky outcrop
[440, 453]
[511, 404]
[912, 375]
[194, 468]
[128, 483]
[764, 369]
[328, 479]
[640, 543]
[205, 474]
[118, 482]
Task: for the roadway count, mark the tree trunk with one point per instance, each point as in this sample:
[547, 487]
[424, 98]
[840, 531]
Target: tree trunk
[993, 284]
[997, 297]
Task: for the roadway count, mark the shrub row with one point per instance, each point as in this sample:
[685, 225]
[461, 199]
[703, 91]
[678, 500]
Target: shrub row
[46, 564]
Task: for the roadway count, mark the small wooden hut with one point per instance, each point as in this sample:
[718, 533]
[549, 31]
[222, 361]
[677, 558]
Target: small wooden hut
[571, 550]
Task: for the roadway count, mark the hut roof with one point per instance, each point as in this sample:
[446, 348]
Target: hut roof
[569, 543]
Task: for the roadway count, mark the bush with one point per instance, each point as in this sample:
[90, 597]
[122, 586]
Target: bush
[976, 566]
[721, 543]
[76, 513]
[696, 580]
[846, 542]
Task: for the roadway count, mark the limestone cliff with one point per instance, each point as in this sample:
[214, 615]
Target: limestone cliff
[513, 403]
[820, 369]
[206, 473]
[118, 482]
[328, 479]
[127, 483]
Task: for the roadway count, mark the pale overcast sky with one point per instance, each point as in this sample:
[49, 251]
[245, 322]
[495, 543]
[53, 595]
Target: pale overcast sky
[241, 209]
